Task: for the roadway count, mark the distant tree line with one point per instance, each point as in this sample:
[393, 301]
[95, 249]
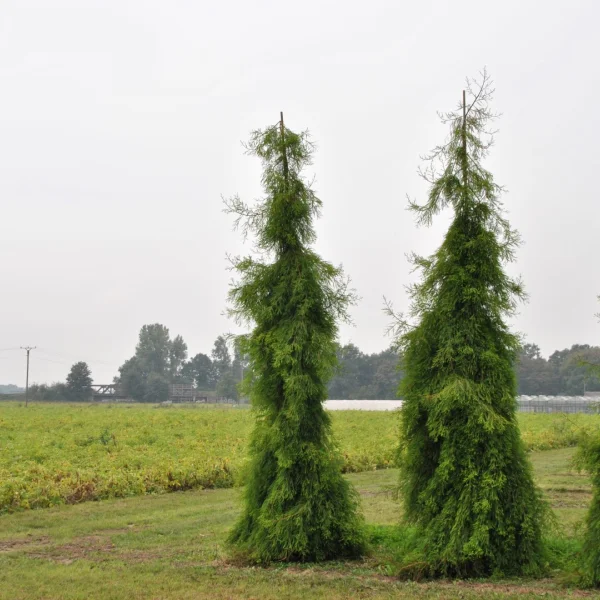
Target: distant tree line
[376, 376]
[77, 387]
[361, 376]
[565, 373]
[159, 361]
[11, 389]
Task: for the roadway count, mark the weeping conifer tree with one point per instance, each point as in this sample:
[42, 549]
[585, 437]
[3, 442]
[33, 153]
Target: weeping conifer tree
[588, 457]
[298, 507]
[466, 480]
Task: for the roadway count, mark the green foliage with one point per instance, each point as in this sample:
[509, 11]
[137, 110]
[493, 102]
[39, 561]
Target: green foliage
[58, 453]
[240, 363]
[362, 376]
[199, 370]
[227, 373]
[574, 369]
[535, 376]
[55, 452]
[156, 388]
[79, 382]
[221, 358]
[403, 552]
[567, 372]
[297, 504]
[466, 481]
[76, 389]
[552, 431]
[154, 348]
[54, 392]
[172, 547]
[158, 361]
[132, 379]
[106, 437]
[227, 387]
[67, 454]
[177, 358]
[589, 458]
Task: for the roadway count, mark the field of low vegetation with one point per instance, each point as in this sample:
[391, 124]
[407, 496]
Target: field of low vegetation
[173, 546]
[52, 454]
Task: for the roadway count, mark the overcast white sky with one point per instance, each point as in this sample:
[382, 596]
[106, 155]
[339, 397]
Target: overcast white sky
[120, 129]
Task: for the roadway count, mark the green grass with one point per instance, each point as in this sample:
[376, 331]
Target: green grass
[53, 454]
[172, 546]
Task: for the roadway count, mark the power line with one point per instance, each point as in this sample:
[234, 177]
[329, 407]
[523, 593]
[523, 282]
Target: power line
[28, 349]
[59, 355]
[50, 360]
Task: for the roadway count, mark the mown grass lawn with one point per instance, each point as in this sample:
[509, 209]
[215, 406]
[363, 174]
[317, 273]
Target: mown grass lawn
[172, 546]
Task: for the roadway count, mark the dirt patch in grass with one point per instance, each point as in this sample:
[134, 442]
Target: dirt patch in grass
[569, 499]
[95, 548]
[22, 543]
[91, 546]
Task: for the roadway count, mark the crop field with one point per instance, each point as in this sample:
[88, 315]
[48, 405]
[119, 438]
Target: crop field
[52, 454]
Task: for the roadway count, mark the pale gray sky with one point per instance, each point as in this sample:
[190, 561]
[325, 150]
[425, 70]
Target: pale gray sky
[120, 129]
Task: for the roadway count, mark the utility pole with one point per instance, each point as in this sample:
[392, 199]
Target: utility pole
[28, 349]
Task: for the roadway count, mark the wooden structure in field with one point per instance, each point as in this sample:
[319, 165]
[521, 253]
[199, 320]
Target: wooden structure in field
[178, 392]
[182, 392]
[107, 391]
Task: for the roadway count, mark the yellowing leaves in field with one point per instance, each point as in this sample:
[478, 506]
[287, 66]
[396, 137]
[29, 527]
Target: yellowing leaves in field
[69, 453]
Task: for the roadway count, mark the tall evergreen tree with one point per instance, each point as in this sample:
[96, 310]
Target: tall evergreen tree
[297, 504]
[466, 480]
[588, 457]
